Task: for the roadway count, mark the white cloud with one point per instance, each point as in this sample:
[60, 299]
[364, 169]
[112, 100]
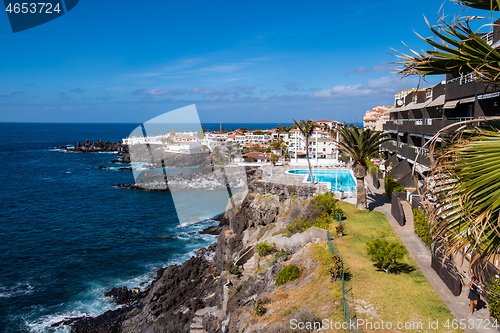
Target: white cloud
[381, 86]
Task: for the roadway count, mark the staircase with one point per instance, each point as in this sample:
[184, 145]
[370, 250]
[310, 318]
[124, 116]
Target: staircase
[197, 325]
[249, 268]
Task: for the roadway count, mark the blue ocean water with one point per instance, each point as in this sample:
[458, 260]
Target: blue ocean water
[67, 235]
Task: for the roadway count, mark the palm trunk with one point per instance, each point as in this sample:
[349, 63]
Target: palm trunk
[309, 162]
[360, 174]
[361, 191]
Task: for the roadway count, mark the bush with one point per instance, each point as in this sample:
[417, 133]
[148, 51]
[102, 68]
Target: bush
[259, 308]
[421, 225]
[339, 230]
[336, 269]
[494, 295]
[391, 185]
[288, 273]
[372, 168]
[320, 214]
[302, 224]
[235, 289]
[324, 205]
[264, 249]
[279, 255]
[384, 253]
[235, 270]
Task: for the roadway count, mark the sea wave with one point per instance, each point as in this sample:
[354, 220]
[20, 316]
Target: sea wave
[18, 289]
[185, 225]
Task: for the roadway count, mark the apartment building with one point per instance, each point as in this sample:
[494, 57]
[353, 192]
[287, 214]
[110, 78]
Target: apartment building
[417, 115]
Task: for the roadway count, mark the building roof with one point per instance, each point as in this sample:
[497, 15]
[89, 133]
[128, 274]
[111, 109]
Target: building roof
[184, 136]
[324, 121]
[259, 155]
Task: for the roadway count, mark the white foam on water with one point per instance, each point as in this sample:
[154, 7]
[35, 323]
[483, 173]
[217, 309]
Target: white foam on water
[185, 225]
[18, 289]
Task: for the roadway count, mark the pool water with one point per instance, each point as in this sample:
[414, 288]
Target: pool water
[340, 180]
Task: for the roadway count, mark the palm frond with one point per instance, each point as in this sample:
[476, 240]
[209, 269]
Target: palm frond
[360, 144]
[460, 50]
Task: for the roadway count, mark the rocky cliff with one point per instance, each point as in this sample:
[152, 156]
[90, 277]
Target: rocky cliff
[201, 293]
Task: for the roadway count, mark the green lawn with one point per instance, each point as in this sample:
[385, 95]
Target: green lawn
[405, 296]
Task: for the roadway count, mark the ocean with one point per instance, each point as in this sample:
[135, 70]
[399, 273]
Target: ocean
[67, 235]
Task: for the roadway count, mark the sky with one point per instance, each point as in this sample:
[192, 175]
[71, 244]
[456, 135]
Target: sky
[237, 61]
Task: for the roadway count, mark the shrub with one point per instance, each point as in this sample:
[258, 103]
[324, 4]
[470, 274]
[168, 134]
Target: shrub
[302, 224]
[372, 168]
[288, 273]
[264, 249]
[235, 289]
[336, 269]
[340, 230]
[494, 301]
[384, 253]
[259, 308]
[280, 254]
[391, 185]
[235, 270]
[324, 205]
[421, 225]
[320, 214]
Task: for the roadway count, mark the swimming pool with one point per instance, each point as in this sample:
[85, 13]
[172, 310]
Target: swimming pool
[340, 180]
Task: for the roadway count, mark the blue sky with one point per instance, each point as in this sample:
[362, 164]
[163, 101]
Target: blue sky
[238, 61]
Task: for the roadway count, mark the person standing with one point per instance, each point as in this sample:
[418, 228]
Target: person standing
[474, 290]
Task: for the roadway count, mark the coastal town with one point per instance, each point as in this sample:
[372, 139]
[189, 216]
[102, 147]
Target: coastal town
[218, 179]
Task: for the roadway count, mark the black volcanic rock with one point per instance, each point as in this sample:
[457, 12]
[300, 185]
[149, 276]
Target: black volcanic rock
[122, 295]
[167, 305]
[98, 146]
[211, 231]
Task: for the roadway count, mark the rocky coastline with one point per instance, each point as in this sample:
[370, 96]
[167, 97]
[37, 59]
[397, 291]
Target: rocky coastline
[201, 295]
[97, 147]
[194, 294]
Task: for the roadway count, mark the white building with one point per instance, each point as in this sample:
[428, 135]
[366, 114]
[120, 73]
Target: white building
[213, 140]
[185, 148]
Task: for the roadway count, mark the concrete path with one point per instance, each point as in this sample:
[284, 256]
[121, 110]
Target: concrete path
[458, 305]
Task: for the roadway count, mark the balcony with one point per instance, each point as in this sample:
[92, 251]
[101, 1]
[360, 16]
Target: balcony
[428, 126]
[407, 151]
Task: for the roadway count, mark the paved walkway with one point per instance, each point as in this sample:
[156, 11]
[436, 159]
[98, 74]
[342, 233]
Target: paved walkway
[458, 305]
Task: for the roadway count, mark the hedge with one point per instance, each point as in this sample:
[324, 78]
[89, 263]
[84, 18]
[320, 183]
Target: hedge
[391, 185]
[421, 225]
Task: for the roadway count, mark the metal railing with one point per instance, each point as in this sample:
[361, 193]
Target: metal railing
[488, 38]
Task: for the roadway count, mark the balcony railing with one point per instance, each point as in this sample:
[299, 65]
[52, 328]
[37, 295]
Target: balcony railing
[488, 38]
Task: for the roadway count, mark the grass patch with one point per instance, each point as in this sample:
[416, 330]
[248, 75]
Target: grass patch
[405, 296]
[313, 290]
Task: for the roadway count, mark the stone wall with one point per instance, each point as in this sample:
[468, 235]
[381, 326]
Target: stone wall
[285, 191]
[397, 210]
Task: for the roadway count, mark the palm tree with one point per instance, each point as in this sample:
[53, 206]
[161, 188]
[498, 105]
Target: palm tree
[360, 145]
[307, 130]
[457, 49]
[230, 151]
[465, 193]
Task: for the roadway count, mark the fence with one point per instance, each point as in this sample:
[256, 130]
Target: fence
[348, 315]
